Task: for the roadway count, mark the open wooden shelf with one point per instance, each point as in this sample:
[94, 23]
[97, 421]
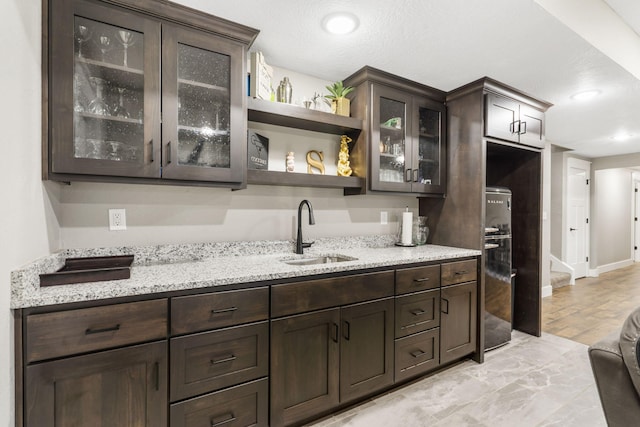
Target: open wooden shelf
[267, 177]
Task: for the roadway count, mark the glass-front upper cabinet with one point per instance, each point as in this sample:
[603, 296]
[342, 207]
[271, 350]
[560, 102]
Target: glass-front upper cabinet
[202, 115]
[104, 92]
[407, 151]
[133, 95]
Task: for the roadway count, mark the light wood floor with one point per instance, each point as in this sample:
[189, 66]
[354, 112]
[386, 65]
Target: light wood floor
[594, 307]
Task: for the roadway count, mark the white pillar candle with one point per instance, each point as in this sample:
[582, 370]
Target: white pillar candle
[407, 227]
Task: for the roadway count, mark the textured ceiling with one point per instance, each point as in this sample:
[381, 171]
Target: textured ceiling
[448, 43]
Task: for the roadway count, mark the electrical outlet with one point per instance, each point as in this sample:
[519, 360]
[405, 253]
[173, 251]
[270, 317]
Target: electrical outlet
[384, 218]
[117, 219]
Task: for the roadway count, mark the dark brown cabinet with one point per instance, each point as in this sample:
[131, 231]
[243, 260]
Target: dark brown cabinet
[458, 321]
[514, 121]
[124, 387]
[405, 133]
[135, 98]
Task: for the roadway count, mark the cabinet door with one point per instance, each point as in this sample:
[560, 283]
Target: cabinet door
[458, 320]
[104, 91]
[366, 350]
[304, 366]
[204, 131]
[428, 167]
[125, 387]
[531, 126]
[390, 152]
[501, 120]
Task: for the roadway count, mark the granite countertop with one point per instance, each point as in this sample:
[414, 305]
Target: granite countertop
[191, 266]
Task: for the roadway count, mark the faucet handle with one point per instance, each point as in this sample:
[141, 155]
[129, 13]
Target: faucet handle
[307, 244]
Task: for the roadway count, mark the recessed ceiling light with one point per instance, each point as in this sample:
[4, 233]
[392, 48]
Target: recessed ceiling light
[340, 23]
[587, 94]
[622, 136]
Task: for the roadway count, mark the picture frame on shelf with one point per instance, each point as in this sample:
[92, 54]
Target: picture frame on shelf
[258, 151]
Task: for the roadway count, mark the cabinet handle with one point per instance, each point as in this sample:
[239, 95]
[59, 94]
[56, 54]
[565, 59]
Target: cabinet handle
[423, 279]
[407, 175]
[512, 127]
[447, 310]
[90, 331]
[229, 358]
[524, 125]
[230, 418]
[335, 332]
[168, 152]
[461, 272]
[347, 330]
[418, 312]
[417, 353]
[151, 151]
[156, 375]
[224, 310]
[415, 175]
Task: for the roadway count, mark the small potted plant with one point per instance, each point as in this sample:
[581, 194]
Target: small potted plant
[339, 103]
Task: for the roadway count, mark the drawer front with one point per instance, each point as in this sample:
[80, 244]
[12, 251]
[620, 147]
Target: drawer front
[64, 333]
[417, 354]
[417, 312]
[213, 360]
[459, 272]
[417, 279]
[196, 313]
[240, 406]
[300, 297]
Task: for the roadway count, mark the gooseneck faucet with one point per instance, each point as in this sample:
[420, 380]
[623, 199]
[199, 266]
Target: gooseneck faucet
[299, 244]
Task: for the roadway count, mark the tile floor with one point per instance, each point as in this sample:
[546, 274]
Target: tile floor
[532, 381]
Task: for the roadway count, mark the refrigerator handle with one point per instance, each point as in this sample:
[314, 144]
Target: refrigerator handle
[491, 246]
[509, 203]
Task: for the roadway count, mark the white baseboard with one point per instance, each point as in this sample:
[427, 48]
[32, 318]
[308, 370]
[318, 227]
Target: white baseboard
[593, 272]
[613, 266]
[547, 291]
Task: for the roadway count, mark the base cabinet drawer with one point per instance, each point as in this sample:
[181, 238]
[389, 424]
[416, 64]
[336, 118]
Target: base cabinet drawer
[417, 354]
[210, 361]
[417, 312]
[417, 279]
[240, 406]
[459, 272]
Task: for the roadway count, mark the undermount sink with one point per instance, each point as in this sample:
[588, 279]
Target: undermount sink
[324, 259]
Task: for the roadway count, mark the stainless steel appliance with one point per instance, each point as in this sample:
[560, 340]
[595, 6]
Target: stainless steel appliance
[497, 269]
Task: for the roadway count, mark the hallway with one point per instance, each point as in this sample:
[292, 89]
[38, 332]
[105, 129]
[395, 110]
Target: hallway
[594, 307]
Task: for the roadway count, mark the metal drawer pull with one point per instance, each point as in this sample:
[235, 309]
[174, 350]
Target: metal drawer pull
[168, 152]
[156, 375]
[418, 312]
[151, 151]
[90, 331]
[335, 332]
[228, 420]
[224, 310]
[424, 279]
[347, 330]
[229, 358]
[444, 300]
[417, 353]
[460, 273]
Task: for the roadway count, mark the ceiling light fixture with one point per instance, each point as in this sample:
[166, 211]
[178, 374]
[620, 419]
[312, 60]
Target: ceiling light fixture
[622, 137]
[587, 94]
[340, 23]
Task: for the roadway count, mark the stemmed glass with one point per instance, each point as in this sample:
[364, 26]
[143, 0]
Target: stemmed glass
[82, 34]
[120, 110]
[126, 39]
[98, 106]
[104, 42]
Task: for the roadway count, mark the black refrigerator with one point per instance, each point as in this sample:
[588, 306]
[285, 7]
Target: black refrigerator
[498, 301]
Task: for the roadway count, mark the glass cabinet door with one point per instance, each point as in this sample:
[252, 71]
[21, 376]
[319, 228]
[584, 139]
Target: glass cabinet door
[427, 171]
[106, 122]
[202, 116]
[391, 145]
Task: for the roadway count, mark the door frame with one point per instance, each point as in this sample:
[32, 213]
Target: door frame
[586, 165]
[635, 218]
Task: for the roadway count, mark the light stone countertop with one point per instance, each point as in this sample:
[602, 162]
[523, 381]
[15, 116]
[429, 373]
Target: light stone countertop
[192, 266]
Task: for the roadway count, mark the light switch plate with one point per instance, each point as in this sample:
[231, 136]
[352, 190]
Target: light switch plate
[384, 218]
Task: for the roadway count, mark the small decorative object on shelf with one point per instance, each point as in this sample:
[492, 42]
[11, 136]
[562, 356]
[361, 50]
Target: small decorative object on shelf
[339, 104]
[258, 151]
[394, 122]
[291, 162]
[285, 91]
[420, 230]
[313, 163]
[343, 157]
[261, 75]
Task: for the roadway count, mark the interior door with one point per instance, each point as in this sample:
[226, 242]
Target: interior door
[577, 225]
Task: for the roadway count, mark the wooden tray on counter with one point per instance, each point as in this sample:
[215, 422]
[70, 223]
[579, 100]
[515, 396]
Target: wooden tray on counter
[89, 269]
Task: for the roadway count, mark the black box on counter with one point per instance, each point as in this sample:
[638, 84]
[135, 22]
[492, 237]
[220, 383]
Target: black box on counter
[258, 151]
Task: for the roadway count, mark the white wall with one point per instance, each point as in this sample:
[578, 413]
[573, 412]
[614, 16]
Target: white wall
[613, 227]
[28, 228]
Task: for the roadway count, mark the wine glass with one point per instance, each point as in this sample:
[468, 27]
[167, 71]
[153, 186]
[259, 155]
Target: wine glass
[120, 110]
[126, 40]
[104, 43]
[82, 34]
[98, 106]
[77, 103]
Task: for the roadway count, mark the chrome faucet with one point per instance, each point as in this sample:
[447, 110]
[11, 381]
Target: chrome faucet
[299, 244]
